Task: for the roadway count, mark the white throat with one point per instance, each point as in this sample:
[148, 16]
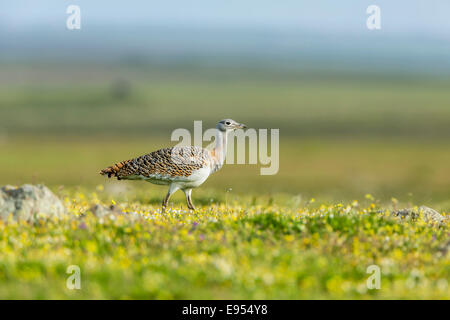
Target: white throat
[220, 151]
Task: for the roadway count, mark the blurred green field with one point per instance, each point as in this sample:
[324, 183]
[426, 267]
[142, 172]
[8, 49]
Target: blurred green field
[134, 101]
[328, 169]
[341, 135]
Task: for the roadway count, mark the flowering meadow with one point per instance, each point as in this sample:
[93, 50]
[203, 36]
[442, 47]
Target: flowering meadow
[240, 248]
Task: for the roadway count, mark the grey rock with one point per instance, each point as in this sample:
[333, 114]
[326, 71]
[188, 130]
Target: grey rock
[101, 211]
[29, 202]
[428, 214]
[431, 214]
[112, 212]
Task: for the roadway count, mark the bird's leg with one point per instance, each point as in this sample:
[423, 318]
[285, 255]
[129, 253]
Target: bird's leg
[165, 202]
[190, 205]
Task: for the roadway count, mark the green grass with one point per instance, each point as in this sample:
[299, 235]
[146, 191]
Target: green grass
[233, 250]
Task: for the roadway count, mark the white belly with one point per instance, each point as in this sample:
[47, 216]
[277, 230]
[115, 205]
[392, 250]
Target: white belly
[194, 180]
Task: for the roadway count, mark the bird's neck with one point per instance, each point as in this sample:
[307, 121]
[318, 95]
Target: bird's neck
[220, 151]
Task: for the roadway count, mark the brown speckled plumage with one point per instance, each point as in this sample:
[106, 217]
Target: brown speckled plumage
[171, 162]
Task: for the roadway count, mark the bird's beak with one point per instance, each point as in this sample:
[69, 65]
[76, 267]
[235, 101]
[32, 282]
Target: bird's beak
[240, 126]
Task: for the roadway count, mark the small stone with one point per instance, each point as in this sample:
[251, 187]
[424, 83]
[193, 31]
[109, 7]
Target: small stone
[431, 214]
[428, 214]
[102, 211]
[29, 202]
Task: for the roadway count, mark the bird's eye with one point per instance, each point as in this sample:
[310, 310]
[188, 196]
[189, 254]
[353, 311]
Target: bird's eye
[228, 123]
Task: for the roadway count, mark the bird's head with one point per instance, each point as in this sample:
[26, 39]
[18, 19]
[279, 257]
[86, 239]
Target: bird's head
[227, 125]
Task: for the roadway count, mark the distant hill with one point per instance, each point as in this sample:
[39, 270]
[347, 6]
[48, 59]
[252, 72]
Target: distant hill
[364, 51]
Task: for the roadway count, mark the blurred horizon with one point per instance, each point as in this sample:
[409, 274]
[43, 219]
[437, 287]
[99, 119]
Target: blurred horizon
[326, 35]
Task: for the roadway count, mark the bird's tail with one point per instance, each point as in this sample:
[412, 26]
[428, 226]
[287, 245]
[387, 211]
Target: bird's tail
[114, 170]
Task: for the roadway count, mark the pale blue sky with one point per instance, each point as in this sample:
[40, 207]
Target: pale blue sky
[415, 34]
[429, 17]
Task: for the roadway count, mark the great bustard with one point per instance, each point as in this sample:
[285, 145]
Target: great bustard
[184, 168]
